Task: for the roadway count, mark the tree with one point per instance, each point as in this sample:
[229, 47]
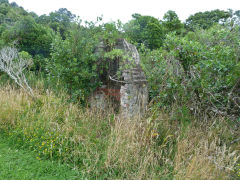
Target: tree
[4, 1]
[62, 15]
[4, 8]
[14, 4]
[30, 36]
[12, 63]
[171, 22]
[145, 30]
[206, 19]
[59, 21]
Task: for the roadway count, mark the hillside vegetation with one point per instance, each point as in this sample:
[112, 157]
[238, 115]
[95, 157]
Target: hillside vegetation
[191, 128]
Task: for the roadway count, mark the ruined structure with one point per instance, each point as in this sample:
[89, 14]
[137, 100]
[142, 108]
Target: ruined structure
[124, 83]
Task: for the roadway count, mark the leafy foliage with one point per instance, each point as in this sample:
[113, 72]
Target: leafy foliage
[172, 23]
[202, 68]
[206, 19]
[30, 36]
[145, 30]
[59, 21]
[73, 61]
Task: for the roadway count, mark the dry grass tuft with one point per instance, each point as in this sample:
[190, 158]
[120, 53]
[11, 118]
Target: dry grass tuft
[12, 102]
[133, 149]
[202, 155]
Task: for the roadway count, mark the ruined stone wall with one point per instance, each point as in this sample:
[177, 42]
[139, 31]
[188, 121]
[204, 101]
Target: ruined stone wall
[132, 84]
[134, 93]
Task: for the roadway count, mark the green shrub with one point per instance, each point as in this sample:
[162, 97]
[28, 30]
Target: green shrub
[197, 72]
[73, 62]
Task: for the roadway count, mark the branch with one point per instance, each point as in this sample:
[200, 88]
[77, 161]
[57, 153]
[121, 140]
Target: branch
[14, 66]
[127, 82]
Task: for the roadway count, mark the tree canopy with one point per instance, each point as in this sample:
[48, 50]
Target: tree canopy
[206, 19]
[171, 22]
[145, 30]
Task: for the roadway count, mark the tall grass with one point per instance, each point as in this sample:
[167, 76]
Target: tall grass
[104, 145]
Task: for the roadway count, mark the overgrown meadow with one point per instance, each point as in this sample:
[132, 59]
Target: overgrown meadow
[103, 145]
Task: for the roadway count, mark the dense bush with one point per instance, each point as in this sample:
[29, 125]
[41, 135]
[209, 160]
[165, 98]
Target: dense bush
[77, 61]
[73, 61]
[201, 68]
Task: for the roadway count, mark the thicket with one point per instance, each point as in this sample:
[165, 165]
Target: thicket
[193, 73]
[200, 70]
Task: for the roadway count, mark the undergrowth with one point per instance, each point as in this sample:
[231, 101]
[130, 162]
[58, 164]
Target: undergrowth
[104, 145]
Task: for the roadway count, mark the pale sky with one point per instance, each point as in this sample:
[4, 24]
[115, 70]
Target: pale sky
[123, 9]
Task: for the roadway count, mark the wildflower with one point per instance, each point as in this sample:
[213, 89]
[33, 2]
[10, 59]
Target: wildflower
[154, 134]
